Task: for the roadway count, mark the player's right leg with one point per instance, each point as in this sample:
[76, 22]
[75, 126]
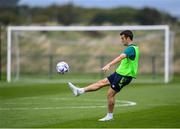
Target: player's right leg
[74, 89]
[96, 86]
[92, 87]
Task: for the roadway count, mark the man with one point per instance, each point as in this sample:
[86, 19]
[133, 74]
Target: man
[126, 71]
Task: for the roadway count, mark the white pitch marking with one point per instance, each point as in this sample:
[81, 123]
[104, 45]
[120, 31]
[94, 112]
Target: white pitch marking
[119, 103]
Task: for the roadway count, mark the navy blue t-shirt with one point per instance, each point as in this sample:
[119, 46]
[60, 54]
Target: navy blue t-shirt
[130, 52]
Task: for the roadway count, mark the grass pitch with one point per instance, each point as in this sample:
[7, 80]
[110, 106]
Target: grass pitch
[48, 105]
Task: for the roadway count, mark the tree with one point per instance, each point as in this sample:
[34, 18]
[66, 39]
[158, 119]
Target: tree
[7, 18]
[66, 14]
[100, 18]
[149, 16]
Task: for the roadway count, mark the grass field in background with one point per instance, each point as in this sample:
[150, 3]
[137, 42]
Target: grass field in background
[81, 77]
[50, 105]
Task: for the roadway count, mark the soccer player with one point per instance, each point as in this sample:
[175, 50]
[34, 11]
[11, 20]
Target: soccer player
[123, 75]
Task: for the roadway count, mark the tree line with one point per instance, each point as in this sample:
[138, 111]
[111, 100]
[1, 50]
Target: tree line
[69, 14]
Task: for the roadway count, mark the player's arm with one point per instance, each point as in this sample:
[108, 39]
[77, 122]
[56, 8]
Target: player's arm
[113, 62]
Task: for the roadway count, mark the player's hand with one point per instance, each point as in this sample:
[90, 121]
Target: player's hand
[106, 68]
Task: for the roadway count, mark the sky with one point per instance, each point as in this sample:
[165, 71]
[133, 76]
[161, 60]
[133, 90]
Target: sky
[170, 6]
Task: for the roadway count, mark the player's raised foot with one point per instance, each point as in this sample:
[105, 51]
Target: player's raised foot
[74, 89]
[106, 118]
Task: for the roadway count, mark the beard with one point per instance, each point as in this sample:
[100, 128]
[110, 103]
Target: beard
[125, 44]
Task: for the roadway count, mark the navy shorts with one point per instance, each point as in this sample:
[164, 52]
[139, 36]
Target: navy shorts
[118, 81]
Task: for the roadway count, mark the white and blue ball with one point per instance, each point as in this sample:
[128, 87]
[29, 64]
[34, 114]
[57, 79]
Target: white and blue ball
[62, 67]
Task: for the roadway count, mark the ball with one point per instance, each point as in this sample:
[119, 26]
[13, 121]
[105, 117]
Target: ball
[62, 67]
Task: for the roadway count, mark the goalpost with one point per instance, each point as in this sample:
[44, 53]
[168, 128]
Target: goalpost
[12, 29]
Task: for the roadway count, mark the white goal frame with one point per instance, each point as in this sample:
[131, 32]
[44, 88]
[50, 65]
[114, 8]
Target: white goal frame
[166, 29]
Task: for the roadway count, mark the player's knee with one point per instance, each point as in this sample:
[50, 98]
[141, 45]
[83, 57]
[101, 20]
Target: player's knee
[103, 82]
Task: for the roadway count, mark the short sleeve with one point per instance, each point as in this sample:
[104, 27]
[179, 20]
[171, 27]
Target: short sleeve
[130, 52]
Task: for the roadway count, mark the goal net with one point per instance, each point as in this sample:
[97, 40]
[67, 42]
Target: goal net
[34, 51]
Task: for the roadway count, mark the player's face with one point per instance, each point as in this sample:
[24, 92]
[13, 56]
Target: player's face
[124, 40]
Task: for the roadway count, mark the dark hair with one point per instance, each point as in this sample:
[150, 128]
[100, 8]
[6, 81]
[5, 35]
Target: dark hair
[127, 33]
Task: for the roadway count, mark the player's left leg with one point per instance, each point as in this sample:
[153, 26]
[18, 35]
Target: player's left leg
[117, 83]
[111, 102]
[111, 99]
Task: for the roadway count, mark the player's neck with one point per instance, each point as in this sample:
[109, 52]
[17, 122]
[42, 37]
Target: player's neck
[130, 43]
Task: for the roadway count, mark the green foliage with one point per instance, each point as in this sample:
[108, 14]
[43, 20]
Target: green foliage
[70, 14]
[124, 15]
[8, 16]
[66, 14]
[149, 16]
